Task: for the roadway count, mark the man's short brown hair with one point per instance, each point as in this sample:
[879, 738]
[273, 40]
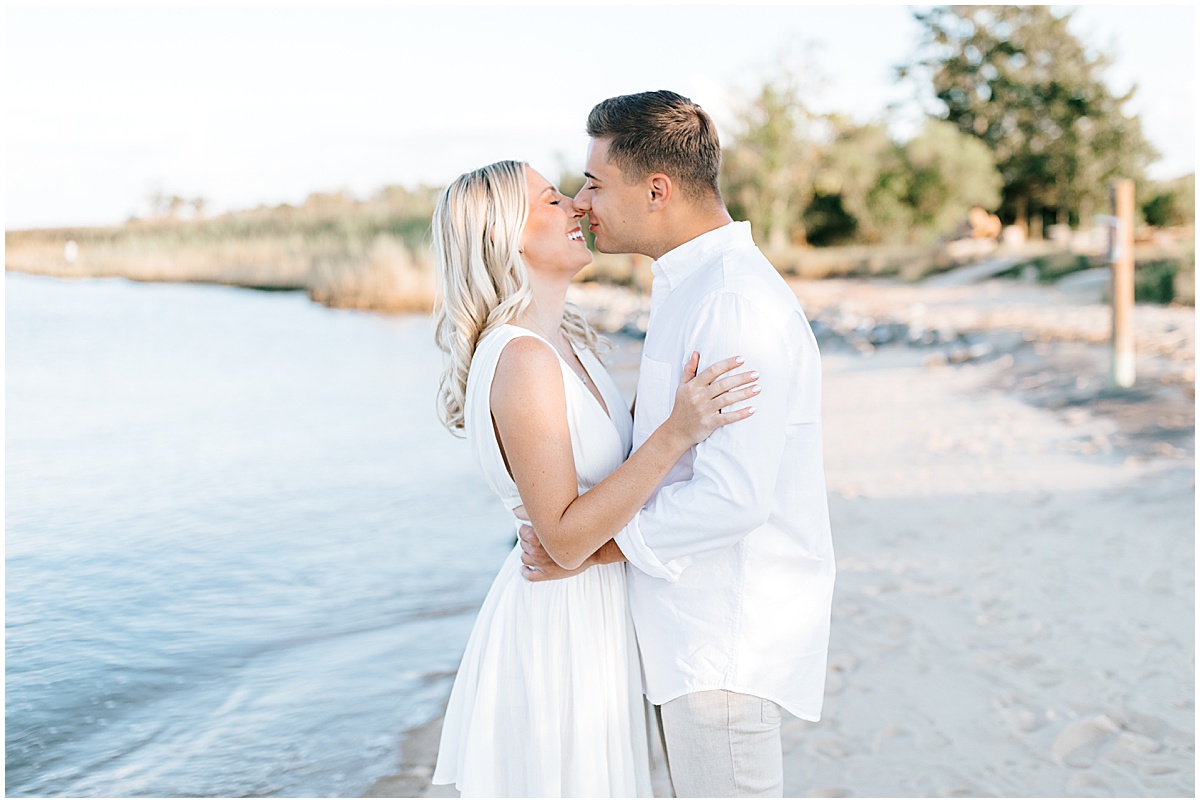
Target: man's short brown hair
[660, 132]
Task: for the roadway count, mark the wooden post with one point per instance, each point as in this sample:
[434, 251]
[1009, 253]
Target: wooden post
[1121, 254]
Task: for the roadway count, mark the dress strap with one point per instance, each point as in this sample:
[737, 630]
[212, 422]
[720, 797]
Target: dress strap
[477, 415]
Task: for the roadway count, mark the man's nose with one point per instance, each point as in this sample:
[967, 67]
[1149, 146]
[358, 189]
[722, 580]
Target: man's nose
[583, 200]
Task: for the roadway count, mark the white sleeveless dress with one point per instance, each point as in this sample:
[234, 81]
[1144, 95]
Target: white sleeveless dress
[548, 701]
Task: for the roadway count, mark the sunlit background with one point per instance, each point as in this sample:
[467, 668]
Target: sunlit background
[242, 557]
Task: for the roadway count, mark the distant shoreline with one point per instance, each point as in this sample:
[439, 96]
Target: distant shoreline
[866, 313]
[375, 256]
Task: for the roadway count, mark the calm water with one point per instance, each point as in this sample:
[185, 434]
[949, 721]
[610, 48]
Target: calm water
[241, 554]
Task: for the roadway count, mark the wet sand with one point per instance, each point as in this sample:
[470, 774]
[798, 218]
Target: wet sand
[1014, 613]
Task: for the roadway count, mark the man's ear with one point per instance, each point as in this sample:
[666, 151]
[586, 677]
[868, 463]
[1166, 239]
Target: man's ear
[661, 190]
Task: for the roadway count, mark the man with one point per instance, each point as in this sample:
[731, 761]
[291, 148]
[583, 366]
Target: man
[730, 563]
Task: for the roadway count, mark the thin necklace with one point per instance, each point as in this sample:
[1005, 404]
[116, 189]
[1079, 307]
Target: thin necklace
[550, 340]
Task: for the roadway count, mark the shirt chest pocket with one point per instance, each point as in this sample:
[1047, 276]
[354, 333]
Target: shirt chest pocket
[655, 397]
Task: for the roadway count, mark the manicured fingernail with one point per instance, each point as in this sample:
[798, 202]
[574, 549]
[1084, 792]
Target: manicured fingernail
[755, 388]
[750, 410]
[754, 374]
[740, 360]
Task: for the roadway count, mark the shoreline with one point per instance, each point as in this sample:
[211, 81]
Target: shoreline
[865, 313]
[418, 753]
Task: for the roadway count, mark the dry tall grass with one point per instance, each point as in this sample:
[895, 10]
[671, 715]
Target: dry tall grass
[376, 256]
[387, 277]
[342, 257]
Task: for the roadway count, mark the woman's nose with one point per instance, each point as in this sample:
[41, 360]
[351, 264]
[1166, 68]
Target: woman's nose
[573, 208]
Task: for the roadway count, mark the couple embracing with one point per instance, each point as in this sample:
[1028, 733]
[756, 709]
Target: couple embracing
[682, 548]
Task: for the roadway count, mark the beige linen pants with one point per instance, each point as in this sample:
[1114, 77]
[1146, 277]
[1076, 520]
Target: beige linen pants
[723, 744]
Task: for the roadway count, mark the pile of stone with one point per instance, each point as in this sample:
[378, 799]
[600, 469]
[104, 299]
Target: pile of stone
[957, 324]
[865, 334]
[612, 309]
[618, 310]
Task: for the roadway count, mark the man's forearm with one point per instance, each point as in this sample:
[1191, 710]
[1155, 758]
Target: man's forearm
[608, 553]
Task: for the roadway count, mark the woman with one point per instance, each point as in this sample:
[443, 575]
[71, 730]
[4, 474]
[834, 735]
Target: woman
[547, 702]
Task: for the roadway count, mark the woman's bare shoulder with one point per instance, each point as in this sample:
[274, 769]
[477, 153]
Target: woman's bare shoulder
[525, 351]
[527, 372]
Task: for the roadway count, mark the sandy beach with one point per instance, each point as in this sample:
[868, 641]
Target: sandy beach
[1014, 613]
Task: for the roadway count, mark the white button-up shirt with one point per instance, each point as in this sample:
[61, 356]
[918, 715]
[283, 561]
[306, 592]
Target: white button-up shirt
[731, 564]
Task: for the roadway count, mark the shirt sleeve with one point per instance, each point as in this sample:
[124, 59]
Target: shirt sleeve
[734, 471]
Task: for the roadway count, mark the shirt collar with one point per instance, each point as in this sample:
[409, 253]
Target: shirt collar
[682, 261]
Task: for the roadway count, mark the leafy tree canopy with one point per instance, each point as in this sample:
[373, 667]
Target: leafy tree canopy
[1016, 78]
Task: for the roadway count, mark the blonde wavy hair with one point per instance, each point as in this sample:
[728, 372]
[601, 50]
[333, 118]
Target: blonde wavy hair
[483, 283]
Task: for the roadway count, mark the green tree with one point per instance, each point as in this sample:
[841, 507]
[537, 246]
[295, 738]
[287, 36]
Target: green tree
[907, 192]
[1020, 81]
[866, 170]
[949, 172]
[768, 172]
[1169, 203]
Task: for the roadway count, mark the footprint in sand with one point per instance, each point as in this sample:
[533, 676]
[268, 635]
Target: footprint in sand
[1087, 785]
[931, 741]
[1142, 745]
[1157, 580]
[1158, 770]
[1143, 724]
[1023, 660]
[1079, 744]
[840, 667]
[892, 732]
[1022, 721]
[957, 791]
[833, 748]
[1047, 678]
[1019, 718]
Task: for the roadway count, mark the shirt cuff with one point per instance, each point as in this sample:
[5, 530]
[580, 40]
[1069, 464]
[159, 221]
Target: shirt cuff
[637, 553]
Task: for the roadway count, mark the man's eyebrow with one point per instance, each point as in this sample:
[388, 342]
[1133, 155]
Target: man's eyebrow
[589, 175]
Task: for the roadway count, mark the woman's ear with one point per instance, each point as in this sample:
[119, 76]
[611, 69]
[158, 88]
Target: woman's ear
[660, 190]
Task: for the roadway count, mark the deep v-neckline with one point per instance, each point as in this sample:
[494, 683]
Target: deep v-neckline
[601, 402]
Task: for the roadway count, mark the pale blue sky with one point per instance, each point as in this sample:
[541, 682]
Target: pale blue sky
[264, 105]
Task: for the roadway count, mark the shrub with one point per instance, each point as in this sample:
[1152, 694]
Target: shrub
[1154, 282]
